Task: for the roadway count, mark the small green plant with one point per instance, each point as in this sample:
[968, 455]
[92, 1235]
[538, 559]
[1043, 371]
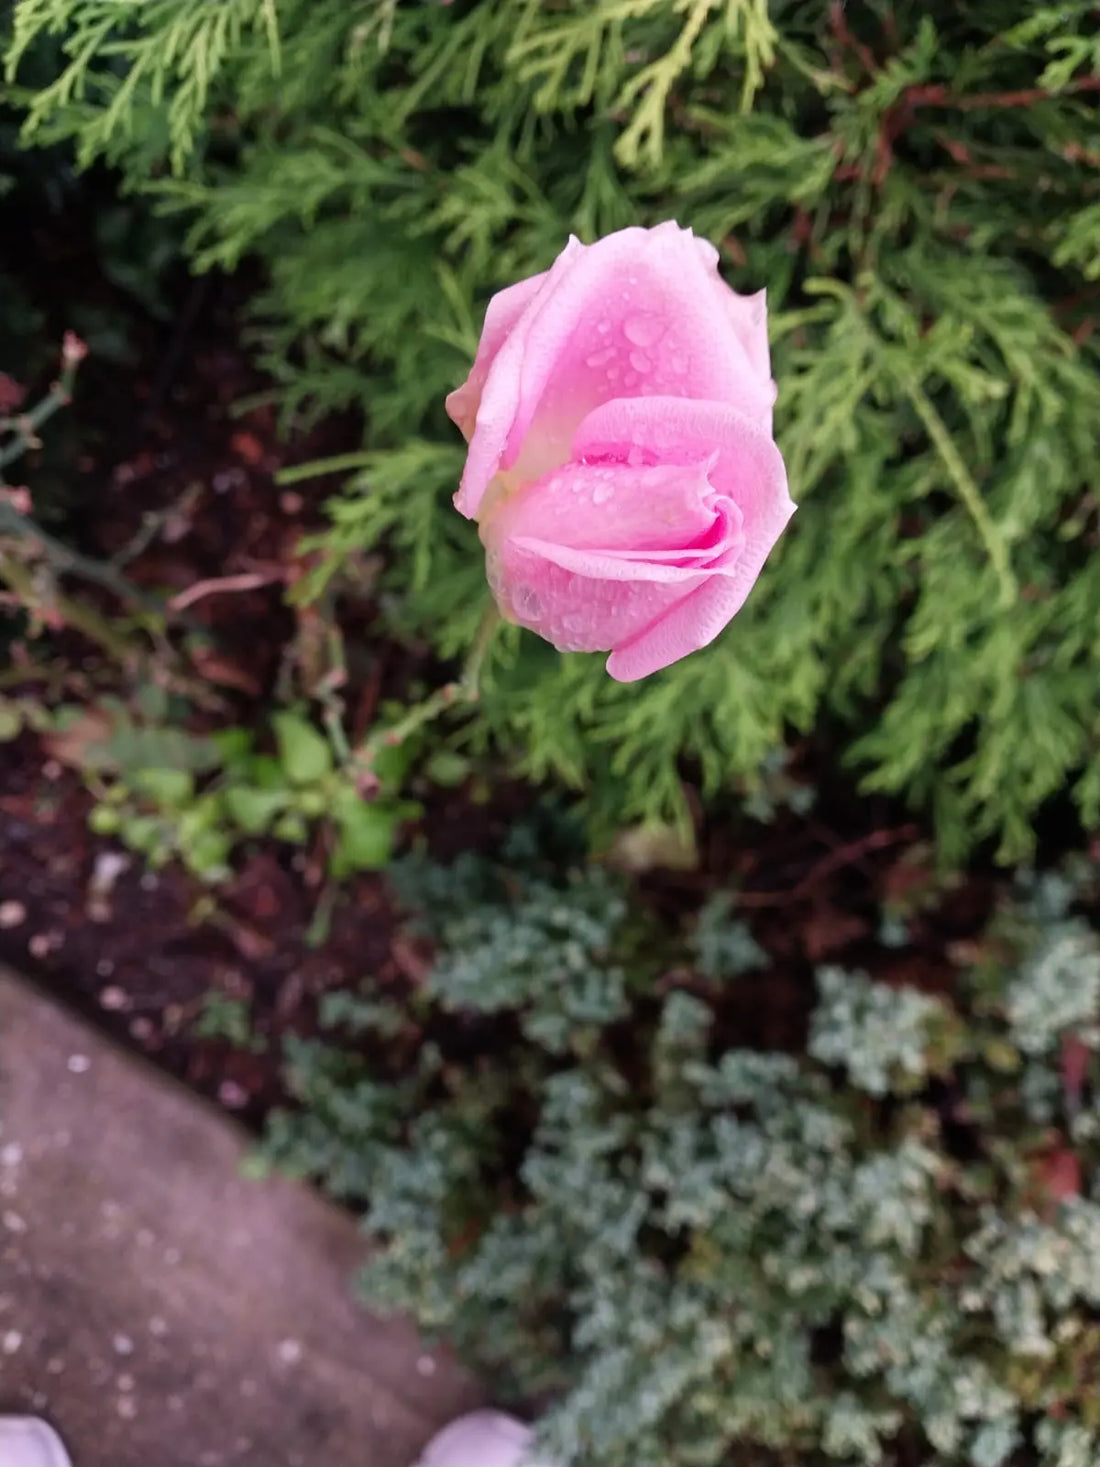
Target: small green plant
[229, 1019]
[163, 790]
[172, 795]
[880, 1250]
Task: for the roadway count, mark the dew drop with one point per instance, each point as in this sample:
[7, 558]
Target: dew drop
[678, 363]
[603, 490]
[643, 330]
[612, 374]
[604, 327]
[630, 380]
[526, 602]
[601, 358]
[640, 362]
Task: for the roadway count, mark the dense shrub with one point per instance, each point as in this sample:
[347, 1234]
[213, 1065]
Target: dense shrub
[913, 183]
[881, 1250]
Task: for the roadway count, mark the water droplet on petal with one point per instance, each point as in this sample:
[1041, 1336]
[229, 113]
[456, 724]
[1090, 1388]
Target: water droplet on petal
[604, 327]
[630, 380]
[678, 363]
[640, 362]
[525, 601]
[644, 329]
[603, 490]
[612, 374]
[601, 358]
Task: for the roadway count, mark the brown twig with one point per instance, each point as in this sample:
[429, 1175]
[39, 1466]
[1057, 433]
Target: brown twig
[20, 581]
[898, 118]
[936, 94]
[23, 430]
[368, 699]
[219, 585]
[844, 37]
[846, 855]
[62, 558]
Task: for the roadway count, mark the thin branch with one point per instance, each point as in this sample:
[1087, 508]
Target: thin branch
[935, 94]
[62, 558]
[24, 428]
[847, 855]
[969, 492]
[153, 523]
[20, 580]
[465, 691]
[219, 585]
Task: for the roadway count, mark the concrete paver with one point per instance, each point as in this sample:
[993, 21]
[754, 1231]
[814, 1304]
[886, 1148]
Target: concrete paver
[162, 1310]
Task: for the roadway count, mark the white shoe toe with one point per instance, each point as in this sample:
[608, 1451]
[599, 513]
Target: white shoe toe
[482, 1439]
[26, 1441]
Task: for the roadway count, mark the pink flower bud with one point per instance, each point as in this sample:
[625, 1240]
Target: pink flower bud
[621, 464]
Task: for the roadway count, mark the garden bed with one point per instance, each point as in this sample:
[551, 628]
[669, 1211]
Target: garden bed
[207, 981]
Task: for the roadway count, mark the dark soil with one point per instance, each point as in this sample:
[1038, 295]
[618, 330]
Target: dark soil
[138, 950]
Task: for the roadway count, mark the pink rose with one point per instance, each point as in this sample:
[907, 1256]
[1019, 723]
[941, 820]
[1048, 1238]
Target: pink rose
[621, 464]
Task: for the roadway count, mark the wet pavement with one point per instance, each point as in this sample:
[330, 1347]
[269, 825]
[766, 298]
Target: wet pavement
[162, 1310]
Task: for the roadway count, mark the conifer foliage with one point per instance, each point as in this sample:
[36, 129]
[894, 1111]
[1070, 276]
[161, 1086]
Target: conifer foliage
[915, 185]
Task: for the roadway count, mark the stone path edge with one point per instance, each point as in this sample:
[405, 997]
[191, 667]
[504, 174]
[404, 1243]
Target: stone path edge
[162, 1310]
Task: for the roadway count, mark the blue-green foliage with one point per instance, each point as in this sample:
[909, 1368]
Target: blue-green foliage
[692, 1248]
[914, 183]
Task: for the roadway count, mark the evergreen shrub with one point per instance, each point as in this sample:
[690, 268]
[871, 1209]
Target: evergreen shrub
[914, 183]
[691, 1251]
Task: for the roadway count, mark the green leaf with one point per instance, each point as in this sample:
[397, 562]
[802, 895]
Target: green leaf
[392, 761]
[291, 828]
[208, 855]
[303, 752]
[233, 744]
[11, 721]
[152, 702]
[447, 768]
[364, 836]
[143, 832]
[312, 802]
[265, 772]
[170, 787]
[253, 809]
[104, 820]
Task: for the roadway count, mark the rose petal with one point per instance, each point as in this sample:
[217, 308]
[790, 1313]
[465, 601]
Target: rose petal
[632, 315]
[503, 361]
[616, 507]
[748, 314]
[747, 467]
[744, 465]
[592, 554]
[684, 627]
[501, 315]
[578, 613]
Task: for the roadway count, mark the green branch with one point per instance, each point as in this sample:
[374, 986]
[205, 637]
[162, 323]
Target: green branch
[466, 690]
[969, 492]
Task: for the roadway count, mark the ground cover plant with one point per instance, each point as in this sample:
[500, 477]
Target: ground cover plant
[584, 1158]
